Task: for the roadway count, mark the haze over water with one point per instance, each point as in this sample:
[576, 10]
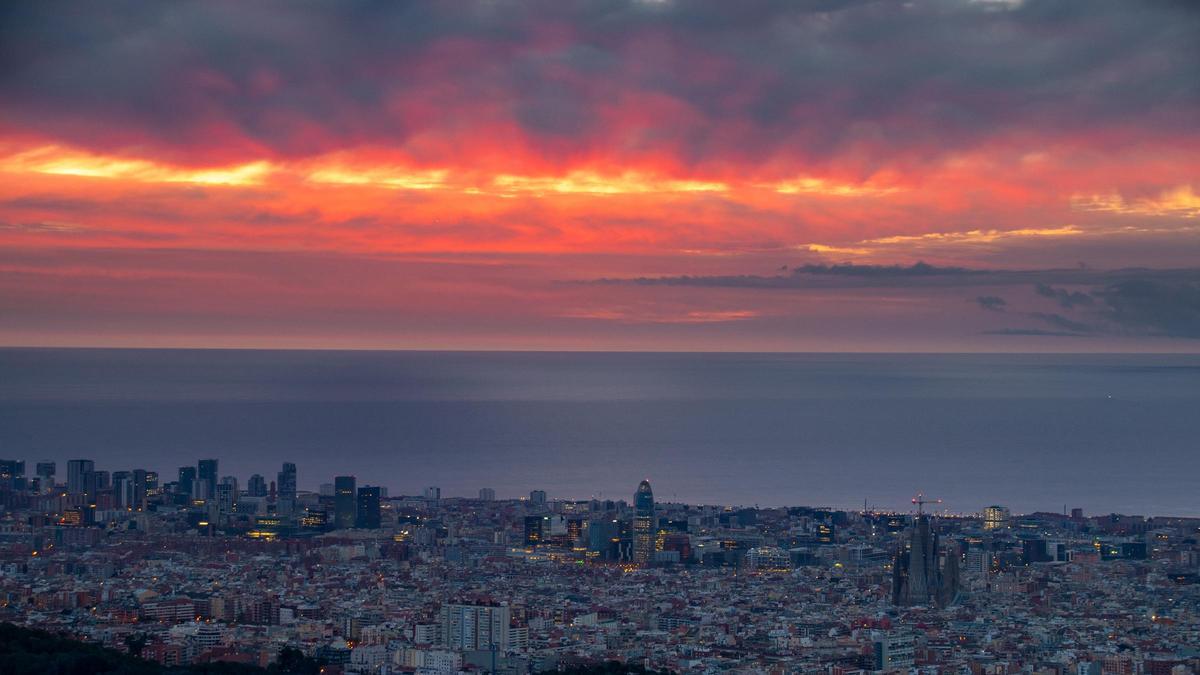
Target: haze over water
[1034, 432]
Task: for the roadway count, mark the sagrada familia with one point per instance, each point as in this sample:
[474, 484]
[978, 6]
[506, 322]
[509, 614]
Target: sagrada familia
[917, 577]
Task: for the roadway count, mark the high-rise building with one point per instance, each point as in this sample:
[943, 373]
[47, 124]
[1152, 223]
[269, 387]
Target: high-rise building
[917, 578]
[46, 471]
[643, 524]
[123, 492]
[286, 486]
[367, 514]
[487, 494]
[141, 487]
[187, 481]
[12, 473]
[536, 529]
[76, 474]
[206, 475]
[537, 497]
[256, 486]
[603, 537]
[995, 518]
[433, 493]
[227, 494]
[345, 509]
[472, 627]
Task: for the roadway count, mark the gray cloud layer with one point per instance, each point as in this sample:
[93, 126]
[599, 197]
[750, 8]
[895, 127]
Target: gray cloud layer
[1134, 301]
[758, 78]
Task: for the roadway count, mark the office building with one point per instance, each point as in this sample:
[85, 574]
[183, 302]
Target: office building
[77, 470]
[345, 507]
[536, 529]
[187, 481]
[206, 476]
[487, 495]
[227, 494]
[367, 515]
[643, 524]
[537, 497]
[256, 486]
[123, 492]
[12, 473]
[46, 473]
[433, 493]
[141, 488]
[286, 489]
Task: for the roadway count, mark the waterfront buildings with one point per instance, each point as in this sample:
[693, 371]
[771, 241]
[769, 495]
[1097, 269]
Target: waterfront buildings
[643, 524]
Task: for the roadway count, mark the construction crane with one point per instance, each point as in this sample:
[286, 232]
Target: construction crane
[920, 501]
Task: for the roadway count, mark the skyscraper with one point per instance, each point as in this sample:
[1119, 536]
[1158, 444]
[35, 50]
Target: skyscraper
[140, 488]
[643, 524]
[535, 529]
[123, 492]
[77, 470]
[487, 495]
[345, 509]
[12, 473]
[256, 486]
[206, 476]
[367, 516]
[46, 471]
[187, 481]
[227, 494]
[286, 486]
[537, 497]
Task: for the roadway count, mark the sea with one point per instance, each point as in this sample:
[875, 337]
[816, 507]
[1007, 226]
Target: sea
[1105, 433]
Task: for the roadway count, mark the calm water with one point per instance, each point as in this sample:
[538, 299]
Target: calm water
[1033, 432]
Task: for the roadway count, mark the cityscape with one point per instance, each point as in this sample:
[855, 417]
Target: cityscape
[600, 337]
[197, 568]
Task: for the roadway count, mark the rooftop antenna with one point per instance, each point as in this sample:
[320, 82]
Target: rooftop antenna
[920, 501]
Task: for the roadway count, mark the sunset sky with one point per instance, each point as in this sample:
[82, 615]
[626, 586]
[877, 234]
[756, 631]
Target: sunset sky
[975, 175]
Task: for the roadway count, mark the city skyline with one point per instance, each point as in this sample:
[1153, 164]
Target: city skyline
[443, 586]
[940, 175]
[642, 500]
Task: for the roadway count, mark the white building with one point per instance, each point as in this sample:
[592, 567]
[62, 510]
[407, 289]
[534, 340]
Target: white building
[475, 627]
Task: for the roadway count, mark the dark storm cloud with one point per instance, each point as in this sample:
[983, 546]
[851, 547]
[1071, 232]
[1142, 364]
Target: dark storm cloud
[802, 80]
[917, 275]
[1153, 307]
[1066, 299]
[1133, 307]
[1130, 302]
[992, 303]
[1062, 323]
[1034, 332]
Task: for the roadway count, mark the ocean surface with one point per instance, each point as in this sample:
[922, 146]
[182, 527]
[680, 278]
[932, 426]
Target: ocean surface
[1034, 432]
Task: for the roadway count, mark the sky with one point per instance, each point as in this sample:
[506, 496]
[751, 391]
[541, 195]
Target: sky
[801, 175]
